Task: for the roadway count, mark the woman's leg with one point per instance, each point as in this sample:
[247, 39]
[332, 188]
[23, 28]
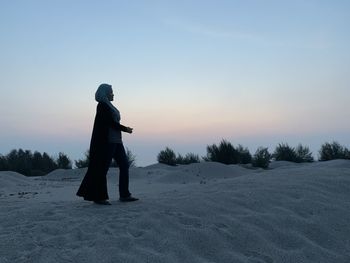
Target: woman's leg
[123, 163]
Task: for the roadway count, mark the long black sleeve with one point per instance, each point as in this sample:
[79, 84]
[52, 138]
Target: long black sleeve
[106, 114]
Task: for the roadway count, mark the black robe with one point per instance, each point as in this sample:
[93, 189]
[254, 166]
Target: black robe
[94, 184]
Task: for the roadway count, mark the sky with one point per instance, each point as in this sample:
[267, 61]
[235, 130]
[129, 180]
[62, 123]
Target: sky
[185, 74]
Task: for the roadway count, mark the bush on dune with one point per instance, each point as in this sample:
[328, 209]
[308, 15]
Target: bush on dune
[332, 151]
[187, 159]
[244, 155]
[284, 153]
[82, 163]
[303, 154]
[300, 154]
[167, 156]
[261, 158]
[3, 163]
[226, 153]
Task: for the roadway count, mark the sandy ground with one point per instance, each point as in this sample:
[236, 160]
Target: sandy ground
[207, 212]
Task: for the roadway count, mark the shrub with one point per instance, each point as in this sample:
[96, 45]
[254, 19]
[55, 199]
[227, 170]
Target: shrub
[303, 154]
[81, 163]
[3, 163]
[63, 162]
[284, 152]
[131, 158]
[19, 161]
[300, 154]
[347, 153]
[261, 158]
[331, 151]
[224, 153]
[48, 163]
[244, 155]
[167, 156]
[189, 158]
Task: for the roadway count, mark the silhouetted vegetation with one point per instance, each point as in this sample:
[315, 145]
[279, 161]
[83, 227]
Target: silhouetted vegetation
[332, 151]
[82, 163]
[169, 157]
[284, 152]
[261, 158]
[131, 157]
[226, 153]
[33, 164]
[303, 154]
[300, 154]
[244, 155]
[187, 159]
[38, 164]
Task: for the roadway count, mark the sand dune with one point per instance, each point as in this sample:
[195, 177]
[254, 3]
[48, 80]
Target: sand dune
[207, 212]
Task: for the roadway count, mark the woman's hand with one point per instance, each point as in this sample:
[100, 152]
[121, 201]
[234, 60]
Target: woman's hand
[129, 130]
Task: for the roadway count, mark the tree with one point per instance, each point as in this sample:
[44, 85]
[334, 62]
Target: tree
[303, 154]
[3, 163]
[244, 155]
[63, 162]
[261, 158]
[81, 163]
[167, 156]
[284, 152]
[187, 159]
[224, 153]
[331, 151]
[48, 164]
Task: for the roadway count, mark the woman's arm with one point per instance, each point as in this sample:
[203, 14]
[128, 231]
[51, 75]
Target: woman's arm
[108, 118]
[125, 129]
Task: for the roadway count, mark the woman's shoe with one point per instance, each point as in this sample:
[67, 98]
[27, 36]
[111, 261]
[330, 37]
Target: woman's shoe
[128, 199]
[102, 202]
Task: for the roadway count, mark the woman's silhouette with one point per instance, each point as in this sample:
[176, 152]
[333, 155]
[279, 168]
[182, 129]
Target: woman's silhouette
[106, 144]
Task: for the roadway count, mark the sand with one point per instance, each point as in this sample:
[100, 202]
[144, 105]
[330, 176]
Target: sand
[207, 212]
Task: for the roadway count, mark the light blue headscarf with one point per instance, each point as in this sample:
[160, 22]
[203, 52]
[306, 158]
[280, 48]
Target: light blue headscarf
[101, 95]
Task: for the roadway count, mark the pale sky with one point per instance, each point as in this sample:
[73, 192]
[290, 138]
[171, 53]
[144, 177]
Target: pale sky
[185, 73]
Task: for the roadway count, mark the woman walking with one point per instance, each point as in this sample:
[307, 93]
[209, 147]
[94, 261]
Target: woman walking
[106, 144]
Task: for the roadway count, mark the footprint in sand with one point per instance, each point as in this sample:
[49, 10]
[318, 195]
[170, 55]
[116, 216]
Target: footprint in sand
[256, 255]
[135, 232]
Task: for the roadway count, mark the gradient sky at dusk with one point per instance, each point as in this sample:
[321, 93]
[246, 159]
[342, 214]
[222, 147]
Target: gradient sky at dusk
[185, 73]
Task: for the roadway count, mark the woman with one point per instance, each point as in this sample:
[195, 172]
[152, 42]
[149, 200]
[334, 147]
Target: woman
[106, 144]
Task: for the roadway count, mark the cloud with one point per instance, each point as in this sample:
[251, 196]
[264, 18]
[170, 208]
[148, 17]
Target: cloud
[208, 31]
[319, 39]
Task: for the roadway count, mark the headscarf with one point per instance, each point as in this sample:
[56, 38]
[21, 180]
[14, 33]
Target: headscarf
[101, 95]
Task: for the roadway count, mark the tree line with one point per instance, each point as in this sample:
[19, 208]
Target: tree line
[33, 164]
[226, 153]
[38, 164]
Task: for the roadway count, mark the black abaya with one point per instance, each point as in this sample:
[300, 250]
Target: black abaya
[94, 184]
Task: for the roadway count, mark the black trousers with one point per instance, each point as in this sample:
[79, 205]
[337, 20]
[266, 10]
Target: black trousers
[94, 185]
[117, 152]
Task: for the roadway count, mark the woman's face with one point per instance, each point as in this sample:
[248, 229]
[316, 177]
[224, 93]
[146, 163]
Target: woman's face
[110, 95]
